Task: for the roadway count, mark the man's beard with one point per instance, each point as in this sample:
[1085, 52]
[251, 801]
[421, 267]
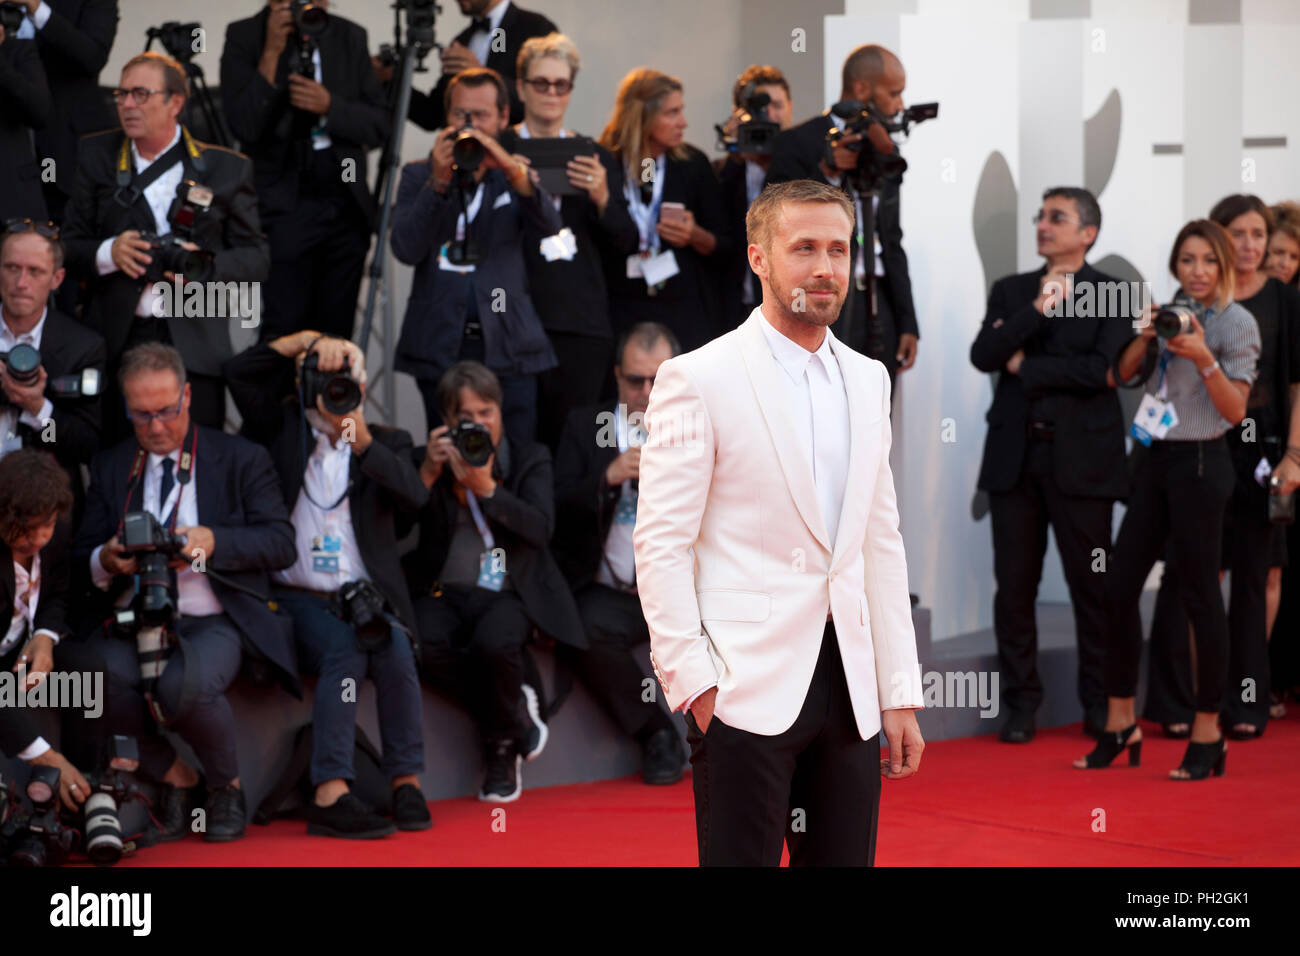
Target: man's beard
[816, 311]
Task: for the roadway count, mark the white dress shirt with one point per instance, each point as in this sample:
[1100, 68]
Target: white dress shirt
[10, 417]
[27, 596]
[194, 592]
[159, 195]
[481, 42]
[315, 525]
[33, 22]
[618, 552]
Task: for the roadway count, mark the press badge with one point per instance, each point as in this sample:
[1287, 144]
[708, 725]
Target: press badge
[491, 571]
[325, 551]
[657, 270]
[562, 245]
[1153, 420]
[625, 511]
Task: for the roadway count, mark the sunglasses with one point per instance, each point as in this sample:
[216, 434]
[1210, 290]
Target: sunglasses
[47, 229]
[1055, 217]
[542, 86]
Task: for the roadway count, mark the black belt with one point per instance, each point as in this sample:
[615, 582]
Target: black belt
[1042, 431]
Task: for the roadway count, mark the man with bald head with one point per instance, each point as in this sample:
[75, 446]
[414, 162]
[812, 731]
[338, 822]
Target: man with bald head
[871, 74]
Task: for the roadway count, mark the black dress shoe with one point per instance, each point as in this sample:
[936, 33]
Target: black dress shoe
[178, 806]
[1019, 729]
[347, 818]
[661, 761]
[410, 809]
[227, 815]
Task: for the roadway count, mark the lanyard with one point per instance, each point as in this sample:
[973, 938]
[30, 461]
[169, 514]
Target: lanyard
[183, 473]
[484, 531]
[470, 212]
[646, 216]
[1162, 387]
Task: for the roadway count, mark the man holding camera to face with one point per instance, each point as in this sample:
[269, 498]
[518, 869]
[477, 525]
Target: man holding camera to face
[183, 524]
[304, 101]
[349, 486]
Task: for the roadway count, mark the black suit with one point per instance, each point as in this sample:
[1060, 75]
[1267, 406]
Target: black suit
[733, 272]
[797, 154]
[427, 109]
[1068, 474]
[316, 205]
[24, 107]
[74, 45]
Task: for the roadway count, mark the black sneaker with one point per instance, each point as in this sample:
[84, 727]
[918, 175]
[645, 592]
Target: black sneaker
[177, 812]
[410, 809]
[661, 759]
[535, 740]
[1019, 729]
[227, 815]
[501, 784]
[347, 818]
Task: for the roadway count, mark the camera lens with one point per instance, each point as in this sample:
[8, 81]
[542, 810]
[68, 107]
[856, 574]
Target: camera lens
[1171, 321]
[341, 393]
[24, 364]
[474, 444]
[467, 152]
[29, 850]
[103, 830]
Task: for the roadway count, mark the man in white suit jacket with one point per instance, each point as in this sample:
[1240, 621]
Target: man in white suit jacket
[769, 562]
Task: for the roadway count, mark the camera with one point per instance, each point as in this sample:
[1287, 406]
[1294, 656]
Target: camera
[756, 130]
[473, 442]
[154, 604]
[1176, 317]
[360, 605]
[109, 791]
[309, 19]
[467, 153]
[23, 363]
[40, 837]
[11, 16]
[190, 205]
[878, 157]
[177, 39]
[340, 391]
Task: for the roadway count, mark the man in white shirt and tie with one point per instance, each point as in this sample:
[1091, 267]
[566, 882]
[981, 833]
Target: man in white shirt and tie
[769, 562]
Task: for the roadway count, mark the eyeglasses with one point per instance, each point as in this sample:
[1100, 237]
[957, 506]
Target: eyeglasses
[542, 85]
[139, 94]
[166, 415]
[47, 229]
[460, 117]
[1055, 217]
[638, 382]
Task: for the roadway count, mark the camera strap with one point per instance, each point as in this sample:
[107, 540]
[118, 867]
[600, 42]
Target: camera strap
[306, 464]
[131, 185]
[475, 512]
[184, 475]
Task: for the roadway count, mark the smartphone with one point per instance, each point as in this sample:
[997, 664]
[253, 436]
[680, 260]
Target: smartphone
[672, 212]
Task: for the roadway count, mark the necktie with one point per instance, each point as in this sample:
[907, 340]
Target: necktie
[168, 483]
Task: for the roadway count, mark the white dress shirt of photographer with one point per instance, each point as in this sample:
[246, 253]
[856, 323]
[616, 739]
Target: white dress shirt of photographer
[10, 416]
[619, 567]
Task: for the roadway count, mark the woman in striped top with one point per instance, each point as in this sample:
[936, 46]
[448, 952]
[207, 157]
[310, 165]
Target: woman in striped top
[1180, 491]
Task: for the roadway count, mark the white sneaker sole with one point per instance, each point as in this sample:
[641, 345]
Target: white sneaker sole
[510, 797]
[534, 714]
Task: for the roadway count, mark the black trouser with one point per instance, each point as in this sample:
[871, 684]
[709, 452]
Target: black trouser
[1284, 648]
[816, 786]
[578, 380]
[1179, 494]
[472, 649]
[615, 624]
[1020, 518]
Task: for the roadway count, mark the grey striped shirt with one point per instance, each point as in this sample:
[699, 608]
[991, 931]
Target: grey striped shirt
[1233, 336]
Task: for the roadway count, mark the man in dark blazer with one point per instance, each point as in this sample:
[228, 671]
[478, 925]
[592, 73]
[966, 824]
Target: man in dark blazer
[73, 38]
[480, 312]
[324, 458]
[308, 137]
[1055, 448]
[44, 414]
[479, 45]
[24, 108]
[110, 209]
[597, 468]
[871, 73]
[221, 493]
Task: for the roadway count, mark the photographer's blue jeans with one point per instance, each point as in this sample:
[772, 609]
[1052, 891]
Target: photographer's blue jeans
[328, 647]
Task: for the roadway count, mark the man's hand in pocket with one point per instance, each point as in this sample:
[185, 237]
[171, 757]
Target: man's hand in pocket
[702, 709]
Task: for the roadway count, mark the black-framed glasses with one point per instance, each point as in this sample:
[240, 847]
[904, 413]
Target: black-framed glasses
[139, 94]
[638, 382]
[1056, 217]
[543, 85]
[166, 415]
[47, 229]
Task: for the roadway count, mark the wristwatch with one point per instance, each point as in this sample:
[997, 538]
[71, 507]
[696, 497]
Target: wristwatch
[1210, 369]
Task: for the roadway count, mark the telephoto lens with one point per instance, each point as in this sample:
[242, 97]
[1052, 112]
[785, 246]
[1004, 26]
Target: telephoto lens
[23, 362]
[103, 829]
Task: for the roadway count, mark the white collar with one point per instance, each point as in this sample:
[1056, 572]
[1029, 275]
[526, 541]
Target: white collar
[155, 461]
[142, 164]
[525, 133]
[496, 14]
[37, 330]
[335, 445]
[792, 356]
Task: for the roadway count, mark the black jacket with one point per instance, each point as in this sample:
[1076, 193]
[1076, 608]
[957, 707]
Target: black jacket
[230, 228]
[24, 107]
[517, 25]
[584, 500]
[521, 514]
[570, 295]
[1062, 381]
[731, 272]
[74, 45]
[797, 154]
[384, 489]
[239, 499]
[268, 128]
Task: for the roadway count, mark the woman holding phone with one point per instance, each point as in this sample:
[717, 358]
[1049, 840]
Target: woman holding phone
[1196, 389]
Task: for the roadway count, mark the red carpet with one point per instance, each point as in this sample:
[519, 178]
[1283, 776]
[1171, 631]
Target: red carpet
[976, 802]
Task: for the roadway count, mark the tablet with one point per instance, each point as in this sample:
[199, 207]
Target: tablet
[550, 157]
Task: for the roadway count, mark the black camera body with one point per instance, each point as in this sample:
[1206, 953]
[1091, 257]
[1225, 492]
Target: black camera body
[154, 604]
[467, 153]
[11, 16]
[360, 605]
[878, 157]
[309, 19]
[473, 441]
[176, 38]
[756, 129]
[39, 837]
[340, 390]
[1176, 317]
[191, 204]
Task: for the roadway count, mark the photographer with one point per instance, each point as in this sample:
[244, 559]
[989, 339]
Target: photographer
[483, 576]
[742, 176]
[871, 75]
[307, 107]
[345, 592]
[570, 293]
[131, 184]
[1202, 377]
[48, 406]
[596, 486]
[461, 219]
[220, 495]
[24, 107]
[1054, 454]
[73, 38]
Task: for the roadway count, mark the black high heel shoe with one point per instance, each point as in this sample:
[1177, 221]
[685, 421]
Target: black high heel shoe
[1111, 745]
[1202, 760]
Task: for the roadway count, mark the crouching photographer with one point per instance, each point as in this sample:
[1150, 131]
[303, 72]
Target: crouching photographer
[182, 525]
[483, 576]
[349, 486]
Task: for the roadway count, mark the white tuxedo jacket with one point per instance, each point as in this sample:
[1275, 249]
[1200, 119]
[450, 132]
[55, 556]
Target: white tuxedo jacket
[733, 563]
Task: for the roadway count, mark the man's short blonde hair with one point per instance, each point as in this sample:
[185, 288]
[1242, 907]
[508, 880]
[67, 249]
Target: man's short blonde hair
[761, 220]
